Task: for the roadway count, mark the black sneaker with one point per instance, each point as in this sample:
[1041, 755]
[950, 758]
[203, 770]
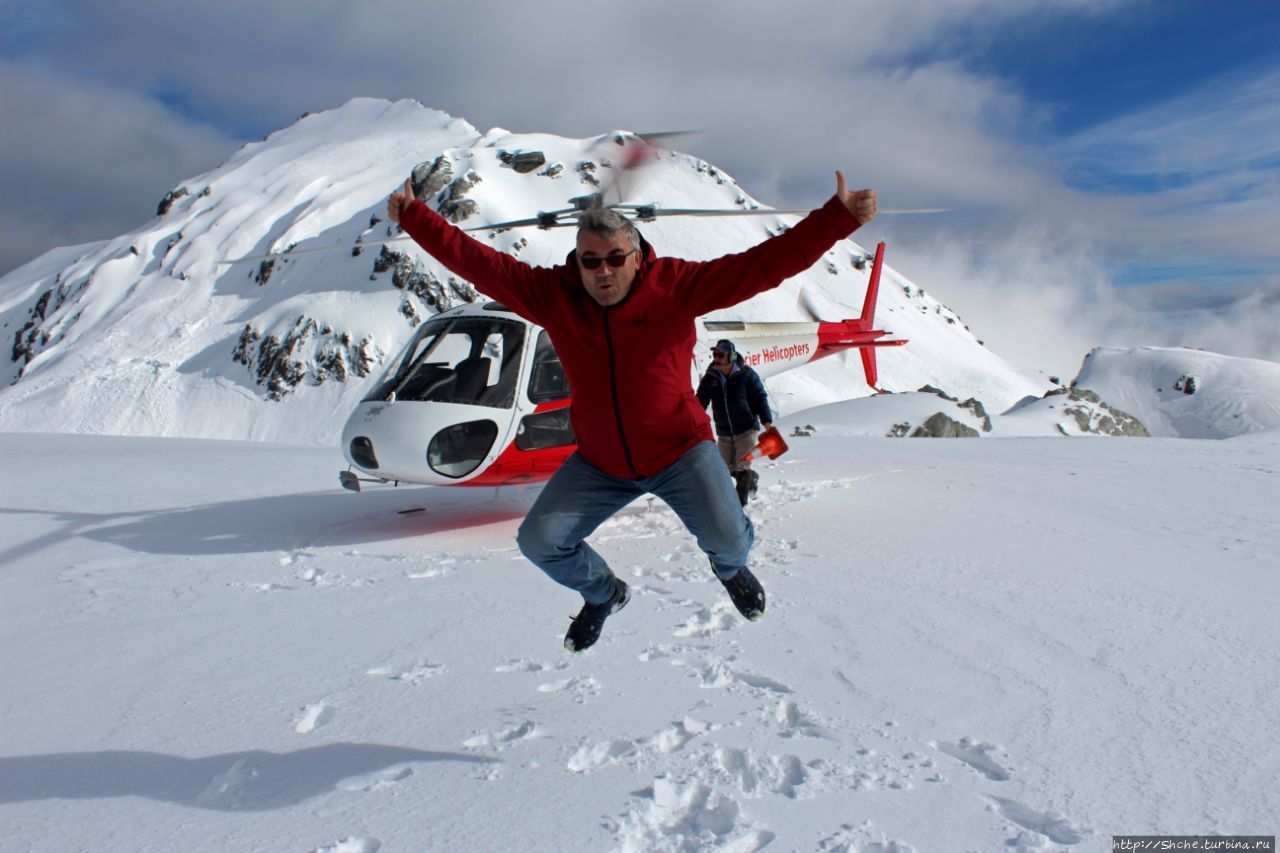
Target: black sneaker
[585, 628]
[747, 594]
[742, 482]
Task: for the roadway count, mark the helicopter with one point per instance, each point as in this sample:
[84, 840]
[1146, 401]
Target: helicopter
[478, 397]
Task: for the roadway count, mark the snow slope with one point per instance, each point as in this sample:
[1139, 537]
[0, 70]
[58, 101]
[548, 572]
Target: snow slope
[1025, 644]
[148, 334]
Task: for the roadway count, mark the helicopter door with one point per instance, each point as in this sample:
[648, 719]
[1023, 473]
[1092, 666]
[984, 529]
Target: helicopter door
[547, 386]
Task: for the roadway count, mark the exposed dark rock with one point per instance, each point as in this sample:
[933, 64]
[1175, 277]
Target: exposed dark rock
[406, 276]
[523, 162]
[428, 179]
[586, 171]
[940, 426]
[979, 411]
[454, 207]
[410, 313]
[169, 198]
[1186, 384]
[929, 389]
[552, 171]
[264, 272]
[899, 430]
[308, 352]
[1093, 415]
[43, 321]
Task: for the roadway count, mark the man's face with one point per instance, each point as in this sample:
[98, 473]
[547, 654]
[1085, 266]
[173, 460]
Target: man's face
[607, 284]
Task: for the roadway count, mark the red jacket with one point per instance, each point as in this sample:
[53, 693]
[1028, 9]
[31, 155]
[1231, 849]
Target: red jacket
[629, 365]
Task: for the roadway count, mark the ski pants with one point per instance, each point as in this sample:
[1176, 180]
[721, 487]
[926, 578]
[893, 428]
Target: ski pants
[733, 448]
[580, 497]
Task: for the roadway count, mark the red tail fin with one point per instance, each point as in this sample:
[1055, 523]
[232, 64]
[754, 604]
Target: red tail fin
[868, 317]
[873, 291]
[859, 333]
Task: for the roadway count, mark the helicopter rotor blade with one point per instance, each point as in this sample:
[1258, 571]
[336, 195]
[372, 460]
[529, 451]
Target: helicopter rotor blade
[312, 250]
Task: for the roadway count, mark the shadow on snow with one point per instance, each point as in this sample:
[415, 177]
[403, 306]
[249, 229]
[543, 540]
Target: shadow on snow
[236, 781]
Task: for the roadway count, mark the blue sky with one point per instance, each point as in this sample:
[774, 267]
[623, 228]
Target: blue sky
[1114, 161]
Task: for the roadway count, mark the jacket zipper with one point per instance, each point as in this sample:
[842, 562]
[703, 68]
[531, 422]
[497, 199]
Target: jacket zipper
[724, 393]
[617, 406]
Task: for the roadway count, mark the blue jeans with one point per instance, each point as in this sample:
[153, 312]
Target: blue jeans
[580, 497]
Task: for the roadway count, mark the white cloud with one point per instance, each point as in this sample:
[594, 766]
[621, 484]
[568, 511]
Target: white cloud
[80, 161]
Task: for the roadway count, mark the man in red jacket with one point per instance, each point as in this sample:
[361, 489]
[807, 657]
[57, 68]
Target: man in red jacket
[622, 320]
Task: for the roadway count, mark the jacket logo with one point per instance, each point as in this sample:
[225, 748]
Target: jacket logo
[641, 320]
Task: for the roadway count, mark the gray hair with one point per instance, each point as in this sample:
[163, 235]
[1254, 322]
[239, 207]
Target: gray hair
[607, 223]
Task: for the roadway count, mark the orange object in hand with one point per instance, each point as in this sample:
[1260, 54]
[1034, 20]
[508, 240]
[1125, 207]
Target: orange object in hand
[770, 444]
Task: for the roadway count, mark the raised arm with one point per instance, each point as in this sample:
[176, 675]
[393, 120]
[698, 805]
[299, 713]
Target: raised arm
[728, 280]
[495, 274]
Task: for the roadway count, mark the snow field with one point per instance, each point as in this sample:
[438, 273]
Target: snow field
[1017, 644]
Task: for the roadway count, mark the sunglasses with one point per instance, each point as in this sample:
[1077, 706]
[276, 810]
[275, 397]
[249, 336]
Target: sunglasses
[716, 354]
[614, 260]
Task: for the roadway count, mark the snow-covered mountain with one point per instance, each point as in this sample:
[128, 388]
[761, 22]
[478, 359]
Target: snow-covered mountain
[149, 334]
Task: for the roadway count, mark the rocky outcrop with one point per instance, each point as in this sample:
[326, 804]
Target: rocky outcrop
[1093, 415]
[454, 206]
[309, 352]
[940, 426]
[427, 179]
[523, 161]
[972, 404]
[47, 321]
[586, 170]
[407, 276]
[169, 198]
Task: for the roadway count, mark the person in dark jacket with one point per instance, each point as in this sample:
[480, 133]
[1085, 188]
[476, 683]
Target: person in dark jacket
[740, 407]
[622, 319]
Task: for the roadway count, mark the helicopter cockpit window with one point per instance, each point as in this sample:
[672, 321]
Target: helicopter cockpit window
[547, 381]
[467, 360]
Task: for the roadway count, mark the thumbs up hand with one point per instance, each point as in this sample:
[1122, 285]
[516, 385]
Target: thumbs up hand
[400, 201]
[861, 203]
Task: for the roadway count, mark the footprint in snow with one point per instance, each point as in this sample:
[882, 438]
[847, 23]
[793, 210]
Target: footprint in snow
[314, 717]
[379, 779]
[794, 722]
[504, 738]
[677, 816]
[415, 674]
[580, 687]
[708, 621]
[1050, 824]
[666, 741]
[522, 665]
[757, 775]
[978, 756]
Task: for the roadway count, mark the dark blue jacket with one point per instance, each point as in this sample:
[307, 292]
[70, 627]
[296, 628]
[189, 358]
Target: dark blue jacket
[738, 401]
